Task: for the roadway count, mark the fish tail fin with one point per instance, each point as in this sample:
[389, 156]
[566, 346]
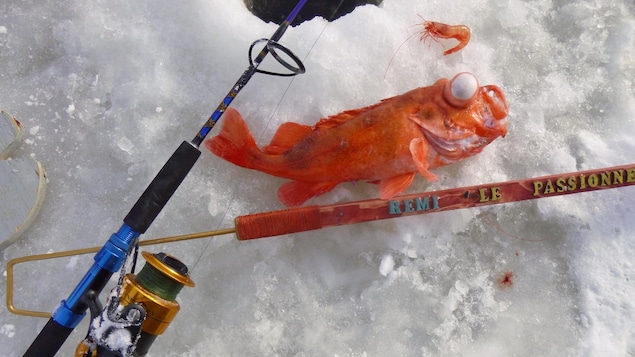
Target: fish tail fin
[235, 143]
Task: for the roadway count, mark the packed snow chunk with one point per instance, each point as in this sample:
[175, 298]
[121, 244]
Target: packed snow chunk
[387, 265]
[125, 144]
[70, 110]
[72, 262]
[8, 330]
[513, 15]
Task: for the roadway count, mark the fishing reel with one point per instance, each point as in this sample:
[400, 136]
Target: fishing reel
[138, 310]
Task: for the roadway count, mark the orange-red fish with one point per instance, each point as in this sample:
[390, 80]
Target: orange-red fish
[385, 143]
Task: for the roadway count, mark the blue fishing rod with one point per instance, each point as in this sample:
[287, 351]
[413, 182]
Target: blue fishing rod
[119, 246]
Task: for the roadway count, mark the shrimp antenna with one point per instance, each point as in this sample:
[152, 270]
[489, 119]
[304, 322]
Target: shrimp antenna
[396, 51]
[403, 43]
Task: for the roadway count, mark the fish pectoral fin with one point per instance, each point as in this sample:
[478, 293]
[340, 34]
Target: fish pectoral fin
[419, 151]
[295, 193]
[389, 188]
[287, 135]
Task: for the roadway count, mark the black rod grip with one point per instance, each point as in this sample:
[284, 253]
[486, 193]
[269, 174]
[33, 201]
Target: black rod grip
[158, 193]
[49, 341]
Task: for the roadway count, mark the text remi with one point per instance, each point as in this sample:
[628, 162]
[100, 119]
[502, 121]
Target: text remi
[415, 205]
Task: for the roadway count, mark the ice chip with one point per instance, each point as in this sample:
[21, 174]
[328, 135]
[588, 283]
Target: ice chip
[125, 144]
[387, 265]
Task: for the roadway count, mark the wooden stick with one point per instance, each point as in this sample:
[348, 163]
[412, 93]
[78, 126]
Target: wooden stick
[269, 224]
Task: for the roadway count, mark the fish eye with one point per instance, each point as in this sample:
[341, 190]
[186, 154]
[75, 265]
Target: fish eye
[460, 90]
[464, 86]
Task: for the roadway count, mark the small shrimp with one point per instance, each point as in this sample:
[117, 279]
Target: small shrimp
[436, 30]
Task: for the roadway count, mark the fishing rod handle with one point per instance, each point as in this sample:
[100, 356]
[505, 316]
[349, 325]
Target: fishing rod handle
[165, 183]
[49, 341]
[296, 220]
[270, 224]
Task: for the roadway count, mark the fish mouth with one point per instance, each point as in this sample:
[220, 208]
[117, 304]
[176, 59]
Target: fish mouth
[456, 149]
[495, 109]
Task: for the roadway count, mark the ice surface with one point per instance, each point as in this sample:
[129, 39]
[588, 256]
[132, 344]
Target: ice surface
[108, 89]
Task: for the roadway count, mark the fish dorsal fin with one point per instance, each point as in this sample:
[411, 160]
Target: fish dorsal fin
[390, 187]
[338, 119]
[341, 118]
[287, 135]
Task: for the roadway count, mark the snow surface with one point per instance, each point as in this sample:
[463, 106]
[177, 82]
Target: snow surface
[109, 89]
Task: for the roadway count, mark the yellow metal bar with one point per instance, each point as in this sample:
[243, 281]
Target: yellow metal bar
[36, 257]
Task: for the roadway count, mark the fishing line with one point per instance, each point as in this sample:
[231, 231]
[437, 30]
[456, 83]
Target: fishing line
[492, 222]
[284, 94]
[275, 109]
